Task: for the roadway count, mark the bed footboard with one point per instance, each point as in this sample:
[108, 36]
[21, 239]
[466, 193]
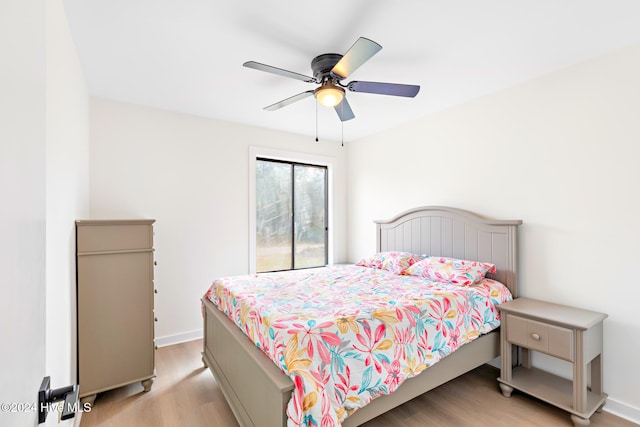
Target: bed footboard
[256, 390]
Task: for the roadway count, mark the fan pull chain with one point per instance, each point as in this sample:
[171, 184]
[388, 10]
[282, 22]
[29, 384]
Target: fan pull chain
[316, 120]
[342, 124]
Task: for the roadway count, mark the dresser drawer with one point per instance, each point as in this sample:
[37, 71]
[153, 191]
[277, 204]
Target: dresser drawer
[113, 236]
[550, 339]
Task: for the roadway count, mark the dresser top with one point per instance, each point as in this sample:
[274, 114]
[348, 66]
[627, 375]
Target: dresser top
[553, 313]
[81, 222]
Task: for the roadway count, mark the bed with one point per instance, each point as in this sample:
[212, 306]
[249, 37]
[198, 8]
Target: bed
[258, 391]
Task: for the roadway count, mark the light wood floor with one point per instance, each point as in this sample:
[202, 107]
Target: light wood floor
[185, 394]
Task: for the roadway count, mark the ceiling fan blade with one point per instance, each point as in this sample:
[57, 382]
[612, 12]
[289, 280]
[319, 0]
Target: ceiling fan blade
[288, 101]
[344, 110]
[279, 71]
[394, 89]
[361, 51]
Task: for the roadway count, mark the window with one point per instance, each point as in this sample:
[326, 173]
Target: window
[290, 215]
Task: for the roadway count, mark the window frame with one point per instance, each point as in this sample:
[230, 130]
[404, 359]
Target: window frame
[306, 159]
[294, 242]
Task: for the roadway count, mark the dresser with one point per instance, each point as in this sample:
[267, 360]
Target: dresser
[564, 332]
[115, 305]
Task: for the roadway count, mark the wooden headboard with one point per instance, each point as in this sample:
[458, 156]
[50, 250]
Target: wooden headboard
[455, 233]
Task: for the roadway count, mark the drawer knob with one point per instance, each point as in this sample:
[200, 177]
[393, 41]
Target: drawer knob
[155, 291]
[155, 318]
[535, 337]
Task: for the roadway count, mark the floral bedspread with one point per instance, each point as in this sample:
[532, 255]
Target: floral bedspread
[347, 334]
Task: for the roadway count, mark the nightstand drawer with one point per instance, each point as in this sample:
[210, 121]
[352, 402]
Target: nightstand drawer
[550, 339]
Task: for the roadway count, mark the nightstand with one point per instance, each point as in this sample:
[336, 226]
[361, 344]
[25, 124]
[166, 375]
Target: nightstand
[560, 331]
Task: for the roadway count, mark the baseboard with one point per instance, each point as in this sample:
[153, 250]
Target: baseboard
[179, 338]
[622, 410]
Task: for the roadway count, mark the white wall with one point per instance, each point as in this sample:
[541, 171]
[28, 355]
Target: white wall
[561, 153]
[43, 184]
[67, 199]
[22, 205]
[192, 175]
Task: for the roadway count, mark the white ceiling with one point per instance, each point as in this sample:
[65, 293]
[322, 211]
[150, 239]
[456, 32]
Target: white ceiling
[187, 55]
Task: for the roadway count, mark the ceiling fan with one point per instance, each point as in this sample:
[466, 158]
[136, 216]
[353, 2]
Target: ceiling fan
[329, 70]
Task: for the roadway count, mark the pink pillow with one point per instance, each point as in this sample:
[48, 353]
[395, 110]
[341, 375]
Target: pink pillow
[450, 270]
[393, 261]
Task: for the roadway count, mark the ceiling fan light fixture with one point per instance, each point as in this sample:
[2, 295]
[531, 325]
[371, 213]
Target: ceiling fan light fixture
[329, 95]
